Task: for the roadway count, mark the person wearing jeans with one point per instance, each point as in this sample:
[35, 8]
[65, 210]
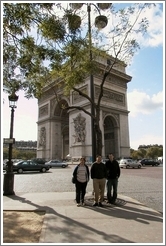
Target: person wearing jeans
[113, 174]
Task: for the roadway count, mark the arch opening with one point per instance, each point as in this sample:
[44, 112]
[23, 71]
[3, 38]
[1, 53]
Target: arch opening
[109, 135]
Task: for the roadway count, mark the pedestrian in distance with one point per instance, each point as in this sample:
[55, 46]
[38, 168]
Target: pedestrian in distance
[98, 174]
[81, 175]
[113, 174]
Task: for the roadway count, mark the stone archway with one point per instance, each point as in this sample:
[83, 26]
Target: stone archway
[62, 120]
[110, 138]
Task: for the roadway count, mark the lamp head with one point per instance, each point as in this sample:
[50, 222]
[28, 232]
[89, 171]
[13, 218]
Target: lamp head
[104, 6]
[75, 5]
[101, 21]
[13, 98]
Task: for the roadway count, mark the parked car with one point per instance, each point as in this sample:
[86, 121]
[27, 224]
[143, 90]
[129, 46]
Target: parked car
[149, 162]
[39, 160]
[128, 163]
[56, 163]
[28, 165]
[6, 160]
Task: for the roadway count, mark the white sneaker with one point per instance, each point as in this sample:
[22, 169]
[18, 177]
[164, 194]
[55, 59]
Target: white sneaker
[83, 204]
[78, 204]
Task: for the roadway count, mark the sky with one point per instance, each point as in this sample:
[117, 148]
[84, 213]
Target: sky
[145, 93]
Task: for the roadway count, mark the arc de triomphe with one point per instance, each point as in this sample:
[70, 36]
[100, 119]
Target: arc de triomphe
[61, 133]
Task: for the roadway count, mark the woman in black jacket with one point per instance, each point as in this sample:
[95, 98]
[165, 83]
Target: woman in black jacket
[81, 176]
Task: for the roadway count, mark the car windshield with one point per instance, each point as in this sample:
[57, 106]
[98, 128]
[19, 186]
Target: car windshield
[17, 163]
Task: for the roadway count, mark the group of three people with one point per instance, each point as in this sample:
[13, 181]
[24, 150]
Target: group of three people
[99, 173]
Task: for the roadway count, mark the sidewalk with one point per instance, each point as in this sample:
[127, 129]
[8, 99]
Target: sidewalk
[128, 221]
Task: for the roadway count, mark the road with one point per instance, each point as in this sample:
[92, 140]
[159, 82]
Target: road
[144, 185]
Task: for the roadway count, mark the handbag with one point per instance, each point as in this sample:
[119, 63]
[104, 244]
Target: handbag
[73, 180]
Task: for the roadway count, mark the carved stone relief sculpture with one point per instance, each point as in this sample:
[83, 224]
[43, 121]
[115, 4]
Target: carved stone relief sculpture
[79, 128]
[42, 140]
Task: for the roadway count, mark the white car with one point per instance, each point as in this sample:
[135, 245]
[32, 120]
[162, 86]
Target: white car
[56, 163]
[128, 163]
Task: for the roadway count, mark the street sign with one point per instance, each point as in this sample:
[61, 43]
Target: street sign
[9, 140]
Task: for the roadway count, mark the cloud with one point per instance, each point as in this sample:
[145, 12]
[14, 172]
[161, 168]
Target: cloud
[152, 38]
[146, 140]
[140, 102]
[154, 35]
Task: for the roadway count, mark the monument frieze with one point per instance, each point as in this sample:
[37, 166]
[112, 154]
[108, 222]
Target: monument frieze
[117, 81]
[76, 97]
[43, 111]
[111, 95]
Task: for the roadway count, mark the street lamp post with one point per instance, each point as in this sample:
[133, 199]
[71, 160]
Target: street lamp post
[91, 86]
[100, 22]
[9, 175]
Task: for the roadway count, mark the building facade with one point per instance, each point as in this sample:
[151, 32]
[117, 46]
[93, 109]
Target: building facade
[23, 145]
[62, 132]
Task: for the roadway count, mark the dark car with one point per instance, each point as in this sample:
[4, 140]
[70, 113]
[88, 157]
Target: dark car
[39, 160]
[56, 163]
[29, 165]
[149, 162]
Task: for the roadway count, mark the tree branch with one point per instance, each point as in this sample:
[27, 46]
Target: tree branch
[82, 109]
[85, 96]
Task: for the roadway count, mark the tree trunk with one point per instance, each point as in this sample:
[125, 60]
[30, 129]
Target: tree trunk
[98, 132]
[98, 140]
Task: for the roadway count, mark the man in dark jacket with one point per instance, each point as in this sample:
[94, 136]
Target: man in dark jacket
[113, 173]
[98, 174]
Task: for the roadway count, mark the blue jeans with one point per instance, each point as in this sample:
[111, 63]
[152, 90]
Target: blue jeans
[112, 183]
